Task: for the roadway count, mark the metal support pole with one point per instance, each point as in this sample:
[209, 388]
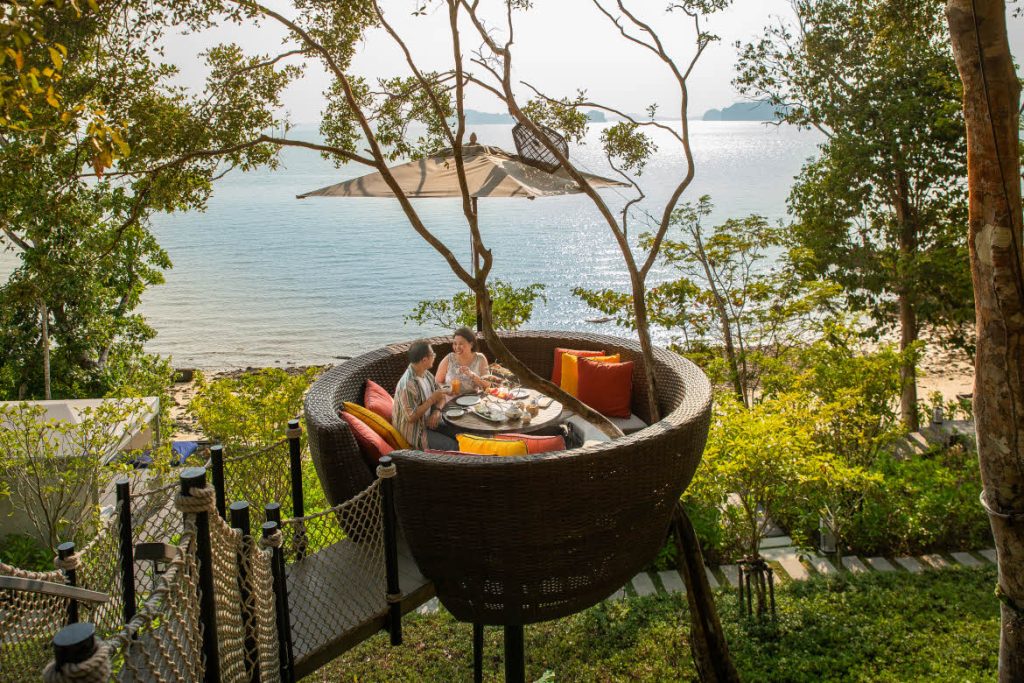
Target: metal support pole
[478, 652]
[217, 467]
[298, 502]
[124, 532]
[240, 520]
[284, 627]
[515, 655]
[64, 551]
[386, 472]
[195, 477]
[73, 644]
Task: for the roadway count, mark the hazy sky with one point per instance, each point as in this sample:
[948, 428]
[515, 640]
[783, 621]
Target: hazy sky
[561, 45]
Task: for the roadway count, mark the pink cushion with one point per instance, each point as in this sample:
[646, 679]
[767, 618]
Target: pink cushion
[606, 387]
[371, 444]
[536, 444]
[377, 399]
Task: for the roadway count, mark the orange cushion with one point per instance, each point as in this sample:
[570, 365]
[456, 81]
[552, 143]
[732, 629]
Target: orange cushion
[371, 445]
[377, 424]
[535, 444]
[556, 371]
[468, 443]
[377, 399]
[570, 372]
[606, 387]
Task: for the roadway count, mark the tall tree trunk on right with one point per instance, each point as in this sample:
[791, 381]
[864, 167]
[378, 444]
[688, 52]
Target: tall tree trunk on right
[991, 111]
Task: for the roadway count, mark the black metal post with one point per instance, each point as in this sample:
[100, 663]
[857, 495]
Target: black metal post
[478, 652]
[298, 502]
[124, 528]
[240, 520]
[217, 466]
[771, 588]
[64, 551]
[284, 627]
[195, 477]
[272, 511]
[386, 471]
[73, 644]
[515, 655]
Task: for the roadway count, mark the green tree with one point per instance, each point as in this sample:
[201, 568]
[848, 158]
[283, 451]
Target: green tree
[77, 213]
[880, 211]
[738, 308]
[511, 307]
[54, 470]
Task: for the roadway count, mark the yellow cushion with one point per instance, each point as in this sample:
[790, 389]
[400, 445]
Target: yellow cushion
[484, 446]
[378, 424]
[571, 373]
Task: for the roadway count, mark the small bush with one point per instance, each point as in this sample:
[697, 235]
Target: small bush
[252, 410]
[25, 552]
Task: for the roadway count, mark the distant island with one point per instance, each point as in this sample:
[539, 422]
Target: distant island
[483, 118]
[743, 111]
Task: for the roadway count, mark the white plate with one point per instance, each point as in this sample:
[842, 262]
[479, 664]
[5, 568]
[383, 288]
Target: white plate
[451, 413]
[517, 394]
[489, 416]
[466, 401]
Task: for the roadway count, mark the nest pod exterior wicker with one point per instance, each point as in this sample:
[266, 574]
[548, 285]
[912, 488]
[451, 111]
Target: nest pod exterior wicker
[533, 151]
[516, 540]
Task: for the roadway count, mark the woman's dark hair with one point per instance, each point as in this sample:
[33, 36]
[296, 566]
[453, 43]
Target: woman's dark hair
[468, 335]
[418, 351]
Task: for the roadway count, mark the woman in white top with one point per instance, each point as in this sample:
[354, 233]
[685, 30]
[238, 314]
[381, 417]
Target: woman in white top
[464, 363]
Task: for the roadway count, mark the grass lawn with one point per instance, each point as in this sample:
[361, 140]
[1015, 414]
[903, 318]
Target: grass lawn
[936, 626]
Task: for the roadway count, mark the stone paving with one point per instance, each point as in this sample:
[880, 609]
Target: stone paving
[792, 565]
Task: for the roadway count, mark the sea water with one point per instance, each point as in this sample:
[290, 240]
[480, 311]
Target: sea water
[262, 279]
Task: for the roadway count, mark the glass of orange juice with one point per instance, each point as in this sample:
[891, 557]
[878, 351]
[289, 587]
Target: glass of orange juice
[456, 385]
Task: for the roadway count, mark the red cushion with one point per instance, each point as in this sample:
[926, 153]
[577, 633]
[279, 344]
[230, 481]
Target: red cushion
[534, 443]
[377, 399]
[371, 444]
[556, 373]
[606, 387]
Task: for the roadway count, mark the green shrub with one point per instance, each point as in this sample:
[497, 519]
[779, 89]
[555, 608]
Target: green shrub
[25, 552]
[251, 410]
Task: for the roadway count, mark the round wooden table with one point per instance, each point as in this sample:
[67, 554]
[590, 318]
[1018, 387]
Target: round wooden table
[471, 422]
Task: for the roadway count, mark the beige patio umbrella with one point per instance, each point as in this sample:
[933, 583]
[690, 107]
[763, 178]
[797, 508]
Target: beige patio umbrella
[490, 172]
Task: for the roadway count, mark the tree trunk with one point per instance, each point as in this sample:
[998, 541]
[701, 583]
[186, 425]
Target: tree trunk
[991, 105]
[707, 641]
[908, 369]
[532, 380]
[44, 318]
[643, 328]
[908, 313]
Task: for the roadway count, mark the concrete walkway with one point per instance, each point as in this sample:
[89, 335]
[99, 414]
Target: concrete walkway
[790, 565]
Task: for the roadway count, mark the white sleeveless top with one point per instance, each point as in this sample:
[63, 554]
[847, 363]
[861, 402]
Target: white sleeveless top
[477, 365]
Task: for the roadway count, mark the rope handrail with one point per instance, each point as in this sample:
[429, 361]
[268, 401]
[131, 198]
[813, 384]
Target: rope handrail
[358, 498]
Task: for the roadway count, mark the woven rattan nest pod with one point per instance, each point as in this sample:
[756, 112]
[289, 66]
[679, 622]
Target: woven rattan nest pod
[516, 540]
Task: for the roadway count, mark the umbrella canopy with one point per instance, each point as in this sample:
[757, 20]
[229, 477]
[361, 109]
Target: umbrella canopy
[490, 172]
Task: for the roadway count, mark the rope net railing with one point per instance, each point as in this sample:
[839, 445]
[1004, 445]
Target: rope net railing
[163, 642]
[261, 476]
[336, 570]
[329, 570]
[27, 622]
